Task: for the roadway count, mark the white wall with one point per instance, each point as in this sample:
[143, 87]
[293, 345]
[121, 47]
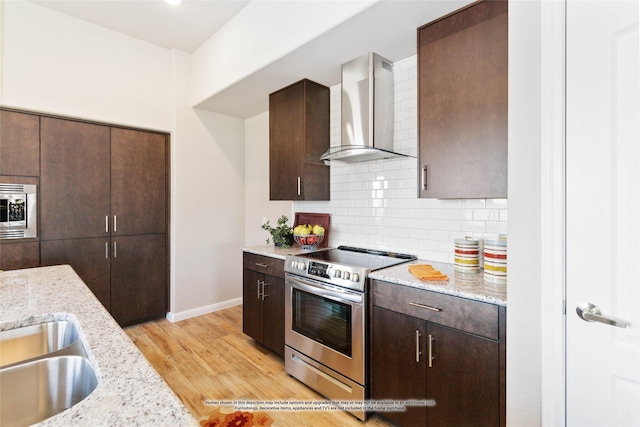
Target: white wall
[251, 41]
[63, 66]
[525, 208]
[57, 64]
[207, 202]
[257, 203]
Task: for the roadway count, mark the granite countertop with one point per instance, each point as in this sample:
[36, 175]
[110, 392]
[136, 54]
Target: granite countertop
[465, 285]
[276, 252]
[130, 392]
[471, 286]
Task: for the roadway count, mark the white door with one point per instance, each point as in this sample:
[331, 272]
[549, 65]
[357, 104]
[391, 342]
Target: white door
[603, 213]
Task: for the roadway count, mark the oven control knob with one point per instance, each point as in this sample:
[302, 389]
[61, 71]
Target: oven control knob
[337, 273]
[355, 277]
[302, 265]
[346, 275]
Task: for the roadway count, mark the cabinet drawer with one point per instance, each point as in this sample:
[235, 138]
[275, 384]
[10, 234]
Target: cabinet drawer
[264, 264]
[475, 317]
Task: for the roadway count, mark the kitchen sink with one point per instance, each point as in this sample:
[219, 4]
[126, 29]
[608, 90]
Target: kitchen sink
[30, 342]
[33, 391]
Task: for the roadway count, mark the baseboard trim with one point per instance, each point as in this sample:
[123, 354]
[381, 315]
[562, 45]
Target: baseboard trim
[176, 317]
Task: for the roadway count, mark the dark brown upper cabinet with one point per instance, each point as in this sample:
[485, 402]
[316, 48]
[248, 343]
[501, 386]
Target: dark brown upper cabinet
[138, 182]
[462, 103]
[19, 143]
[298, 136]
[75, 180]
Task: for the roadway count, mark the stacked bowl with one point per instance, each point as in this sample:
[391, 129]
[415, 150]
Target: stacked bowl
[495, 261]
[468, 255]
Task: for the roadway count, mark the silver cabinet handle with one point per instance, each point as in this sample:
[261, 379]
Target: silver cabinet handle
[115, 249]
[299, 186]
[430, 342]
[106, 224]
[591, 313]
[261, 264]
[264, 285]
[106, 250]
[115, 223]
[426, 307]
[259, 296]
[424, 177]
[418, 353]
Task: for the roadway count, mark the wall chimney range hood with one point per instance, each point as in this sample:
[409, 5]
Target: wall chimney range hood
[367, 112]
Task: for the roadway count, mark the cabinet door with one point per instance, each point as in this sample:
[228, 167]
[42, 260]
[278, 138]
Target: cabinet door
[138, 182]
[88, 257]
[252, 304]
[19, 143]
[462, 92]
[74, 181]
[273, 314]
[286, 142]
[138, 278]
[398, 363]
[464, 379]
[14, 256]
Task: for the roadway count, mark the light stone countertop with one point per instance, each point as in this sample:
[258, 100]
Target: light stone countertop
[471, 286]
[129, 392]
[276, 252]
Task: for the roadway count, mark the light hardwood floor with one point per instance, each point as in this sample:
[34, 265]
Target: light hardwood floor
[208, 358]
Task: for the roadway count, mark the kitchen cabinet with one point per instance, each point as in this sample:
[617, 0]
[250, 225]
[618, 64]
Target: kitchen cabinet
[90, 258]
[462, 103]
[17, 255]
[19, 143]
[298, 136]
[440, 348]
[75, 180]
[103, 211]
[263, 300]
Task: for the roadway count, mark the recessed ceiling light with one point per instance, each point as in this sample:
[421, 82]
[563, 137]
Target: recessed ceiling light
[174, 2]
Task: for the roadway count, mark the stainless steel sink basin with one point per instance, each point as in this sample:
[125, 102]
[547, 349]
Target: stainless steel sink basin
[30, 342]
[33, 391]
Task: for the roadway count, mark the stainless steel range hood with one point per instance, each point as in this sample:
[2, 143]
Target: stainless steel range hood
[367, 112]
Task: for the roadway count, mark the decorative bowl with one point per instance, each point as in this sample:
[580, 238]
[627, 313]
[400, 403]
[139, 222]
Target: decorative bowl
[308, 242]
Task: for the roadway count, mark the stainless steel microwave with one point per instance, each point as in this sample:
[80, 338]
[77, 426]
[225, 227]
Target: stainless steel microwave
[18, 211]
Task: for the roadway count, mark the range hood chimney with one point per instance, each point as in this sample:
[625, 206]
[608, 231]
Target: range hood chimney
[367, 112]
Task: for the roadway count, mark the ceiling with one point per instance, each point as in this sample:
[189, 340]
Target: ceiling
[387, 28]
[183, 27]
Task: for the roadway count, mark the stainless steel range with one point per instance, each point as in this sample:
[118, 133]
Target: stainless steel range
[325, 319]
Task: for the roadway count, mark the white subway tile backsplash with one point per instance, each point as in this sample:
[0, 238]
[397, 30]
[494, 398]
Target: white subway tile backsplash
[375, 204]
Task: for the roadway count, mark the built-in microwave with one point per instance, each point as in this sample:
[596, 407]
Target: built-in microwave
[18, 211]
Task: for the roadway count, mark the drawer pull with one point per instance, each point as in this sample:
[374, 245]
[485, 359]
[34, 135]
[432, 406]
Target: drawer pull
[426, 307]
[261, 264]
[418, 353]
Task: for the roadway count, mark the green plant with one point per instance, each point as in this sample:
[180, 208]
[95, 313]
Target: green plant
[281, 234]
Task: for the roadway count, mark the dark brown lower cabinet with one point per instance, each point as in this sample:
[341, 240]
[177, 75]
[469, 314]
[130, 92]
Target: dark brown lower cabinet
[14, 256]
[263, 301]
[138, 278]
[397, 373]
[461, 374]
[90, 258]
[127, 274]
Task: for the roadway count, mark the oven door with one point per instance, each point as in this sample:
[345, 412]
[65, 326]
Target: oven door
[326, 323]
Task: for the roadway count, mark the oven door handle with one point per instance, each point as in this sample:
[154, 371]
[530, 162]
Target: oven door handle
[343, 296]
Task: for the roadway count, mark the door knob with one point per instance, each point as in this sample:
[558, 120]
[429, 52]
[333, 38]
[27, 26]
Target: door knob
[591, 313]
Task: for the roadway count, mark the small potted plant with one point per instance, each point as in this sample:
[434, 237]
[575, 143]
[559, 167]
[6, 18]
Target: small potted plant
[281, 234]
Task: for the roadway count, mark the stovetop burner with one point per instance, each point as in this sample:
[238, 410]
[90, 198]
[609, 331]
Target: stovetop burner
[370, 259]
[345, 266]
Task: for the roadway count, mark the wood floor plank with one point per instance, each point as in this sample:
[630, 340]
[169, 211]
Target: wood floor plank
[207, 359]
